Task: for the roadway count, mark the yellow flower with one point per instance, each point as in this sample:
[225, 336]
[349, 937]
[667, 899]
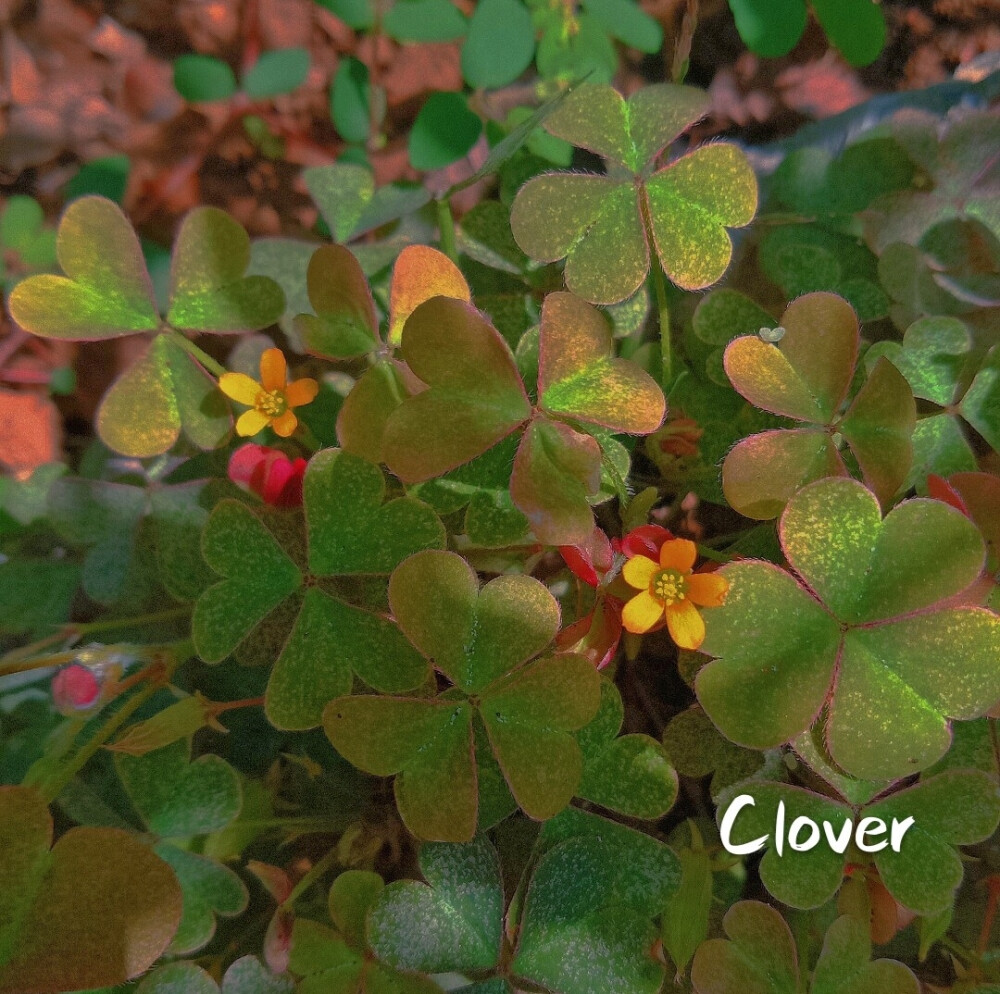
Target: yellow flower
[270, 401]
[670, 590]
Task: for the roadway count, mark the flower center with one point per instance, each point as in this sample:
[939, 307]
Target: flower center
[271, 403]
[668, 586]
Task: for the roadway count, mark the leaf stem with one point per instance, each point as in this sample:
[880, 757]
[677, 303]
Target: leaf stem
[89, 628]
[446, 226]
[663, 315]
[310, 878]
[216, 368]
[305, 437]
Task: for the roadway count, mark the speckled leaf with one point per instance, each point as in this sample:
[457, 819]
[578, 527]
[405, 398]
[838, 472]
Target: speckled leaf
[578, 376]
[474, 396]
[341, 191]
[286, 261]
[591, 221]
[959, 807]
[258, 577]
[248, 975]
[778, 650]
[555, 470]
[451, 923]
[879, 427]
[630, 774]
[345, 323]
[209, 889]
[366, 409]
[763, 472]
[472, 635]
[427, 744]
[106, 291]
[330, 641]
[981, 405]
[586, 925]
[208, 289]
[352, 894]
[691, 203]
[143, 412]
[179, 977]
[629, 132]
[528, 717]
[176, 797]
[420, 273]
[759, 957]
[806, 374]
[97, 909]
[845, 965]
[350, 529]
[179, 514]
[805, 879]
[865, 569]
[493, 522]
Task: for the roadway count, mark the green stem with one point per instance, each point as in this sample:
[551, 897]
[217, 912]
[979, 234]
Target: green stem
[663, 314]
[55, 785]
[310, 878]
[304, 435]
[216, 368]
[446, 225]
[142, 619]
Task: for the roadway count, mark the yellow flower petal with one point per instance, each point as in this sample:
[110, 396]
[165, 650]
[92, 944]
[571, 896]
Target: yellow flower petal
[642, 612]
[301, 392]
[685, 624]
[239, 387]
[678, 554]
[707, 589]
[638, 572]
[250, 423]
[285, 424]
[273, 370]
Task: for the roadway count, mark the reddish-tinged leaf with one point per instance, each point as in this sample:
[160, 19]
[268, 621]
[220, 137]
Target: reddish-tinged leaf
[579, 377]
[474, 398]
[32, 430]
[420, 273]
[555, 470]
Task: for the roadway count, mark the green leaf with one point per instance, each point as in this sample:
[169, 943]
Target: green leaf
[248, 975]
[630, 774]
[163, 392]
[179, 514]
[628, 22]
[769, 27]
[208, 291]
[444, 132]
[356, 14]
[896, 650]
[555, 470]
[351, 896]
[277, 72]
[758, 958]
[346, 322]
[341, 191]
[94, 911]
[428, 743]
[179, 977]
[106, 292]
[424, 20]
[844, 965]
[258, 577]
[366, 409]
[179, 720]
[286, 261]
[981, 405]
[528, 716]
[685, 918]
[200, 78]
[329, 642]
[857, 28]
[350, 529]
[595, 895]
[106, 176]
[209, 889]
[578, 376]
[350, 98]
[500, 44]
[176, 797]
[451, 923]
[472, 635]
[493, 522]
[474, 398]
[36, 594]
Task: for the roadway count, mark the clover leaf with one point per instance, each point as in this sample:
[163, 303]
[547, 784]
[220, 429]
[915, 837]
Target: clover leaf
[475, 398]
[958, 807]
[96, 909]
[606, 226]
[760, 956]
[936, 357]
[806, 376]
[350, 532]
[488, 642]
[106, 293]
[864, 635]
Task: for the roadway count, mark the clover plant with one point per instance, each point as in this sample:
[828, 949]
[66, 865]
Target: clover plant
[420, 624]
